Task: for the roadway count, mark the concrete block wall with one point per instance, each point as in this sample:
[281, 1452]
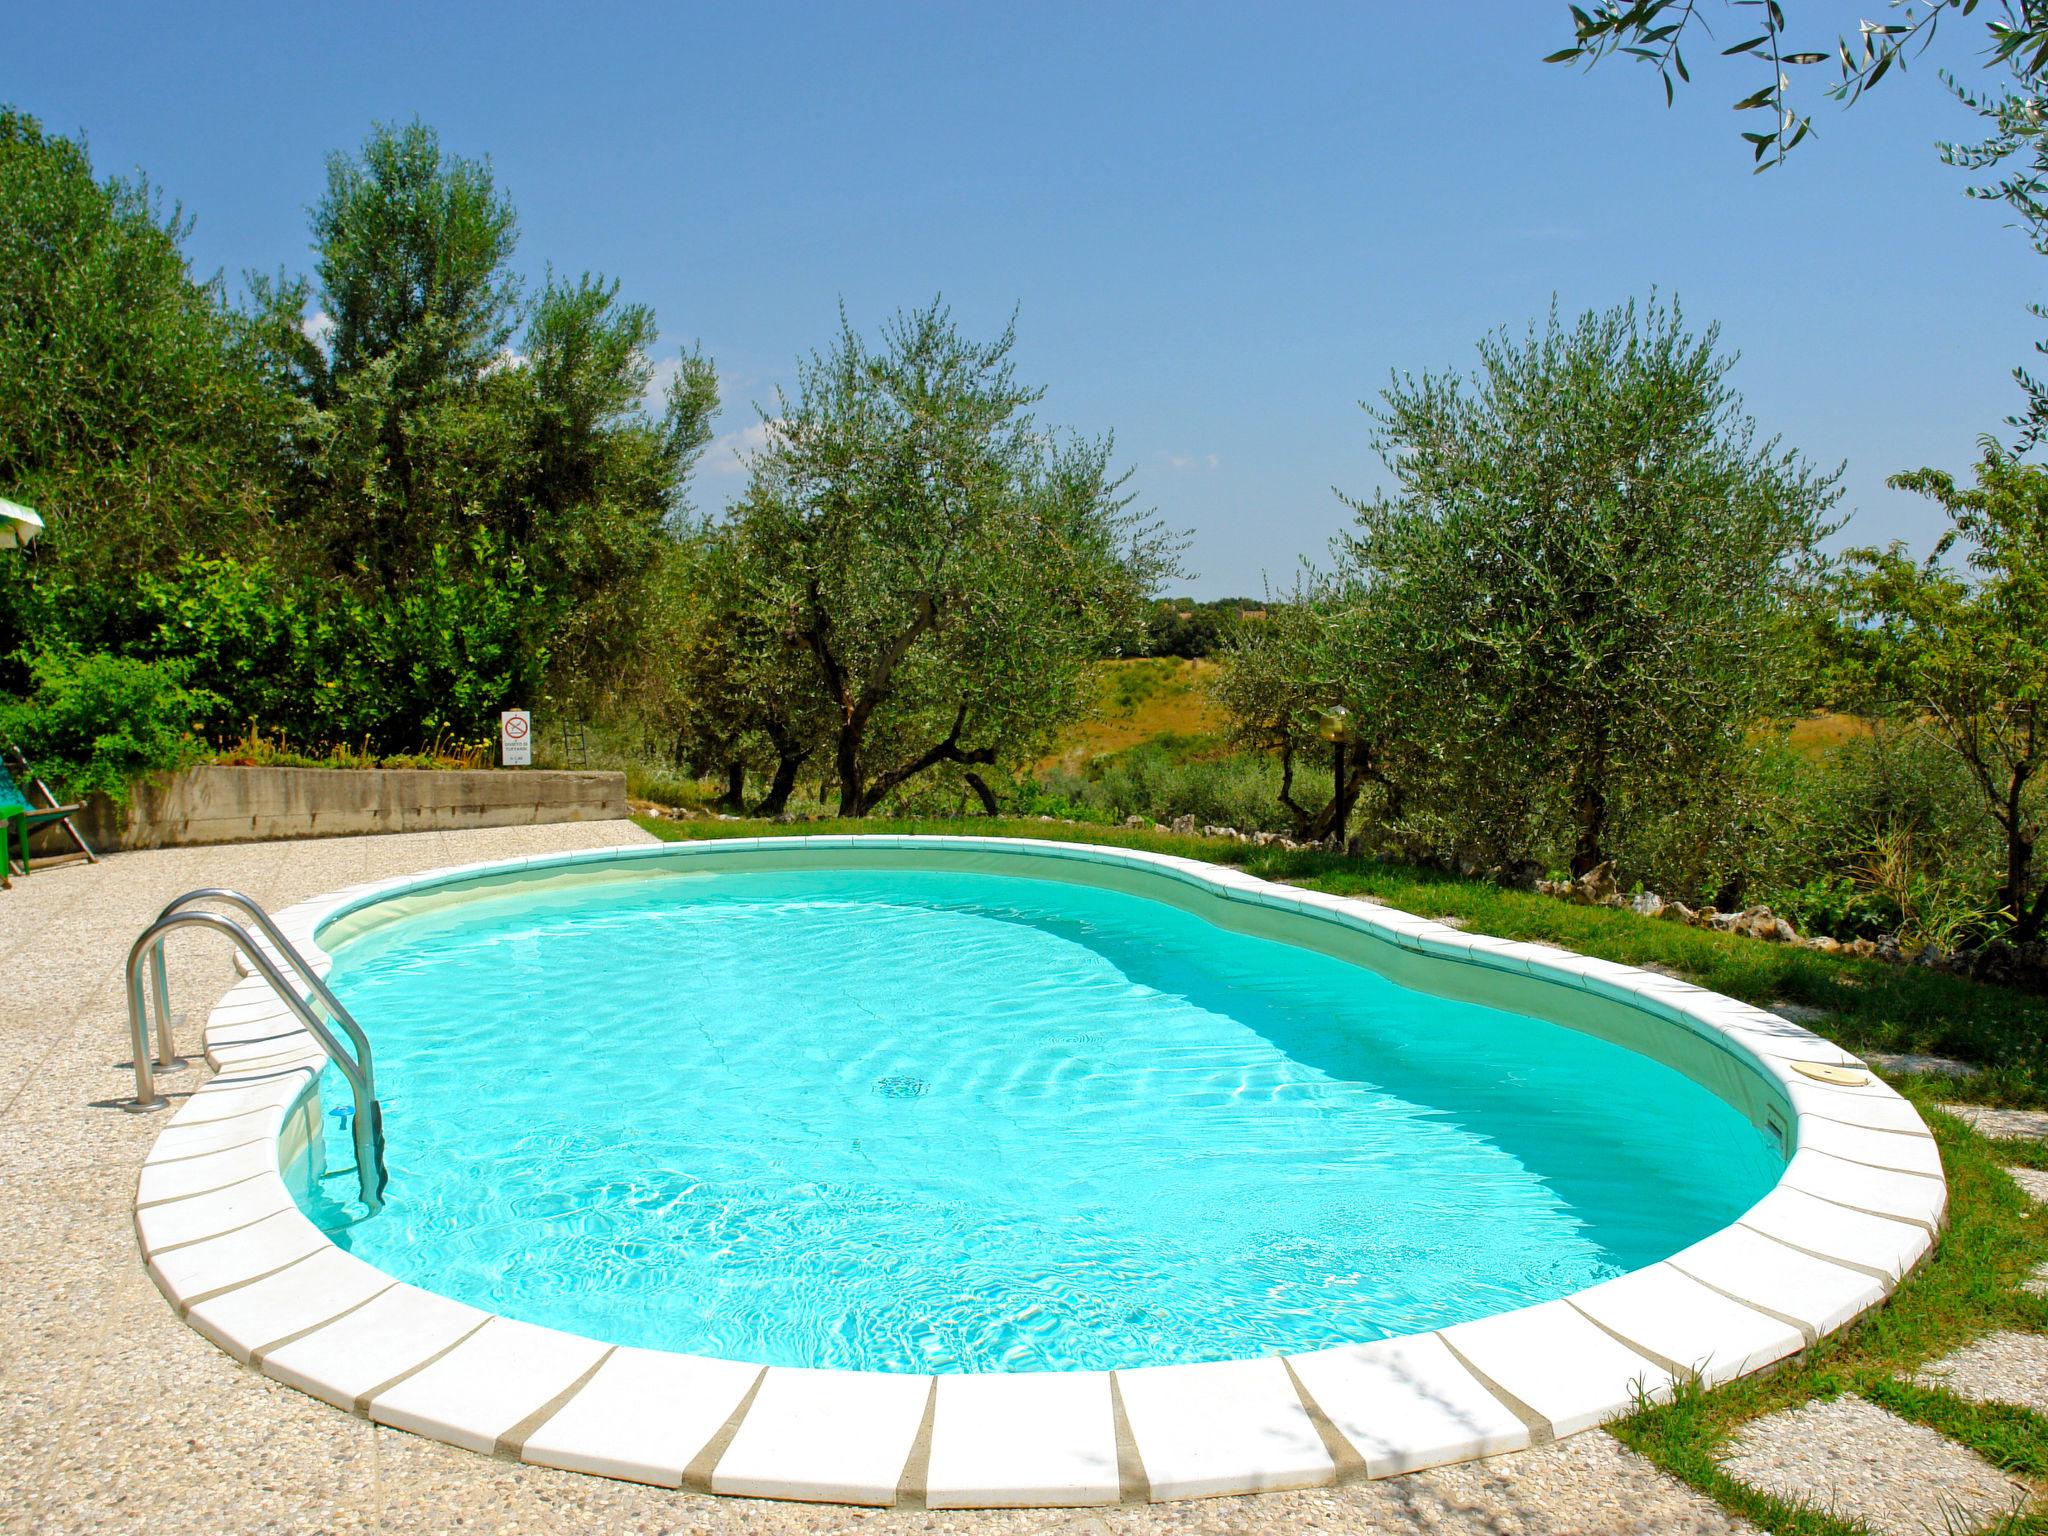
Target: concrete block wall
[246, 805]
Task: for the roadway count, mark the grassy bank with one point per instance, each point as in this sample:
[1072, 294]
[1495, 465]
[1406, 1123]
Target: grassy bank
[1864, 1004]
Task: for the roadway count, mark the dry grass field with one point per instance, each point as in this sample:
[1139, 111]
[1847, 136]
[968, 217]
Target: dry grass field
[1139, 700]
[1816, 733]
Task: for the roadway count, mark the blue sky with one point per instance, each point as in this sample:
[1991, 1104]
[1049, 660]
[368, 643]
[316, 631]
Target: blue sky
[1221, 226]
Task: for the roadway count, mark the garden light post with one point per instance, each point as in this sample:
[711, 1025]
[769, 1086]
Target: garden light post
[1336, 730]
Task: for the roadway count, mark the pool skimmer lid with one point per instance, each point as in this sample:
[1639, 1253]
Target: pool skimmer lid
[1828, 1072]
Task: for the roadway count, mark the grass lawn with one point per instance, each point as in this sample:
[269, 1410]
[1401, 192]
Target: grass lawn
[1970, 1286]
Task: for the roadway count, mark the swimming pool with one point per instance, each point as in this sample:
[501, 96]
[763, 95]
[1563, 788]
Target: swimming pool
[978, 1171]
[929, 1119]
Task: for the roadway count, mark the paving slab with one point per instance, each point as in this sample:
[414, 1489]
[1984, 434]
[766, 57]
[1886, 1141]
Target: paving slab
[2005, 1124]
[1914, 1061]
[2033, 1180]
[1855, 1461]
[1998, 1368]
[2037, 1283]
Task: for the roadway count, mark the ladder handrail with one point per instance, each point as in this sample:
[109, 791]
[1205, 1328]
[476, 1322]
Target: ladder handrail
[314, 982]
[367, 1126]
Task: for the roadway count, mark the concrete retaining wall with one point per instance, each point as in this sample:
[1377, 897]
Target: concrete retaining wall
[247, 805]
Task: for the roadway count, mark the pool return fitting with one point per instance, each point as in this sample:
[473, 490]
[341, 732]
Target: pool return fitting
[367, 1124]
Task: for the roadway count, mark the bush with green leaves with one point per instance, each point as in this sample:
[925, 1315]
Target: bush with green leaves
[95, 722]
[376, 523]
[1162, 779]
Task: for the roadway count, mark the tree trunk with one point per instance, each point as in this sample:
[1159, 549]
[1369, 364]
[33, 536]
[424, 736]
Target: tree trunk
[868, 796]
[734, 800]
[1302, 816]
[979, 785]
[2019, 861]
[2027, 917]
[1589, 811]
[787, 762]
[846, 760]
[1330, 820]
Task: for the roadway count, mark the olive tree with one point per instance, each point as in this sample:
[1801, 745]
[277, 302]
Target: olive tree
[1306, 680]
[135, 414]
[939, 566]
[1783, 46]
[459, 435]
[1577, 576]
[1967, 650]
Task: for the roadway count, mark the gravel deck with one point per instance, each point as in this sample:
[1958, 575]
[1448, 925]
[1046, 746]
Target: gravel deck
[1854, 1460]
[115, 1416]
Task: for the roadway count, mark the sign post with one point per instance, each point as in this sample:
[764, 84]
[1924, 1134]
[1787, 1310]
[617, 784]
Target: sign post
[515, 739]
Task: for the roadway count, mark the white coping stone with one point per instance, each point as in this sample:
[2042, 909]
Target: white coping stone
[839, 1437]
[1835, 1232]
[1902, 1196]
[644, 1416]
[197, 1175]
[244, 1058]
[1026, 1437]
[1560, 1365]
[485, 1385]
[1407, 1403]
[1234, 1426]
[210, 1215]
[314, 1291]
[180, 1141]
[1683, 1323]
[272, 1028]
[192, 1272]
[1766, 1274]
[230, 1098]
[401, 1329]
[1878, 1111]
[1878, 1149]
[1778, 1039]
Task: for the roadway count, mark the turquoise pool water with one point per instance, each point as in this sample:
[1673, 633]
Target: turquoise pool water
[911, 1121]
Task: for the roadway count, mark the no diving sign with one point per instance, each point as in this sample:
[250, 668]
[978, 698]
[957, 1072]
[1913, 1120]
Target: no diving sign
[515, 739]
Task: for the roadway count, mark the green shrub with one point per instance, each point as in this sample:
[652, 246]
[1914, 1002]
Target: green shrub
[98, 722]
[1160, 780]
[1882, 833]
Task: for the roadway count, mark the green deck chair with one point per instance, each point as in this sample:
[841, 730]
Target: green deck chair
[18, 818]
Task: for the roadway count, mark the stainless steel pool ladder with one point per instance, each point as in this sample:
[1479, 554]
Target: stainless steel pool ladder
[356, 1066]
